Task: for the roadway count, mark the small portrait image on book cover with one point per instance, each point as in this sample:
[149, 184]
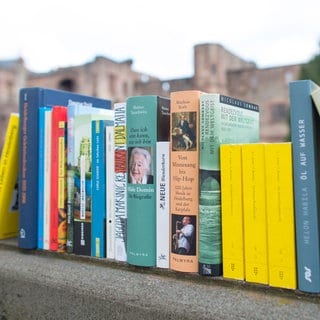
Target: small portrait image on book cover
[140, 165]
[183, 234]
[184, 131]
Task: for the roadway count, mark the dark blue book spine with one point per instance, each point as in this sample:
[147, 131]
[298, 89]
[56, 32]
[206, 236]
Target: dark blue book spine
[305, 136]
[30, 100]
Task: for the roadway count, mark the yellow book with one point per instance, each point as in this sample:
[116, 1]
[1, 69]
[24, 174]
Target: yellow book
[280, 215]
[231, 211]
[8, 180]
[254, 212]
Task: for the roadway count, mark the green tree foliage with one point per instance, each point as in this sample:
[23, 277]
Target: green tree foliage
[311, 70]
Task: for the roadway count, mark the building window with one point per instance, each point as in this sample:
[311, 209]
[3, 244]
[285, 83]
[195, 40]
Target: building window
[166, 86]
[279, 112]
[67, 85]
[213, 69]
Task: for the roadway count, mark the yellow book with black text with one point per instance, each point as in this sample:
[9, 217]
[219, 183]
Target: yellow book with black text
[254, 213]
[8, 180]
[280, 215]
[231, 211]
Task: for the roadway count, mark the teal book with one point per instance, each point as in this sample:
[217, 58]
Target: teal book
[305, 137]
[98, 248]
[147, 122]
[223, 119]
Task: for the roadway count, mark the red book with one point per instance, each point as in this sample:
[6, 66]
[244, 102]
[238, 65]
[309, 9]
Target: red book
[58, 180]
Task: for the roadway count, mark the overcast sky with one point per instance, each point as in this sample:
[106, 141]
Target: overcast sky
[157, 35]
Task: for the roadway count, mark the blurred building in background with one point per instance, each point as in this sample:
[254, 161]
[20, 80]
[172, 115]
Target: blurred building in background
[215, 70]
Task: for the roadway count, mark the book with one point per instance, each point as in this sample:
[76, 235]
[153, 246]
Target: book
[232, 211]
[30, 99]
[147, 120]
[120, 181]
[83, 178]
[254, 213]
[280, 215]
[98, 248]
[184, 180]
[223, 119]
[58, 234]
[163, 203]
[315, 94]
[110, 219]
[44, 176]
[305, 138]
[9, 206]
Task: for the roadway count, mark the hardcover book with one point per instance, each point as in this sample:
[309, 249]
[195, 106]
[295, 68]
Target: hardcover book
[120, 181]
[58, 169]
[305, 137]
[223, 119]
[147, 122]
[98, 241]
[44, 181]
[232, 211]
[110, 221]
[83, 178]
[29, 102]
[280, 215]
[184, 180]
[254, 213]
[9, 180]
[315, 94]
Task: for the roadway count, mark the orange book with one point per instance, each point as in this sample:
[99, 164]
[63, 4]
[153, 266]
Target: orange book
[58, 180]
[184, 180]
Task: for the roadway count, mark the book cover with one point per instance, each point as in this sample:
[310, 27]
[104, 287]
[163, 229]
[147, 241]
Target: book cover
[223, 119]
[98, 247]
[30, 99]
[254, 213]
[120, 181]
[184, 180]
[110, 220]
[280, 215]
[44, 176]
[315, 94]
[9, 210]
[305, 137]
[57, 194]
[83, 178]
[232, 211]
[147, 116]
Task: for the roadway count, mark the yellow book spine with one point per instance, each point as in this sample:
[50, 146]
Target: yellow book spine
[254, 212]
[231, 211]
[8, 180]
[280, 215]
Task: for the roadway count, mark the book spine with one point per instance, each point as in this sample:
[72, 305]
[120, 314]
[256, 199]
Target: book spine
[28, 163]
[184, 180]
[280, 214]
[141, 196]
[8, 180]
[110, 219]
[99, 191]
[305, 137]
[254, 209]
[59, 118]
[232, 211]
[120, 181]
[47, 179]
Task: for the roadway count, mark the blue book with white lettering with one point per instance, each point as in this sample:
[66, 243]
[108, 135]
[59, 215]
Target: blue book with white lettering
[98, 229]
[29, 102]
[305, 136]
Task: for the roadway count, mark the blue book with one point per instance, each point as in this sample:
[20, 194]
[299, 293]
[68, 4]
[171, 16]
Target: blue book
[29, 102]
[305, 137]
[98, 229]
[44, 174]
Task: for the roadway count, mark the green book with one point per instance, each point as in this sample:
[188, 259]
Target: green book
[147, 122]
[225, 120]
